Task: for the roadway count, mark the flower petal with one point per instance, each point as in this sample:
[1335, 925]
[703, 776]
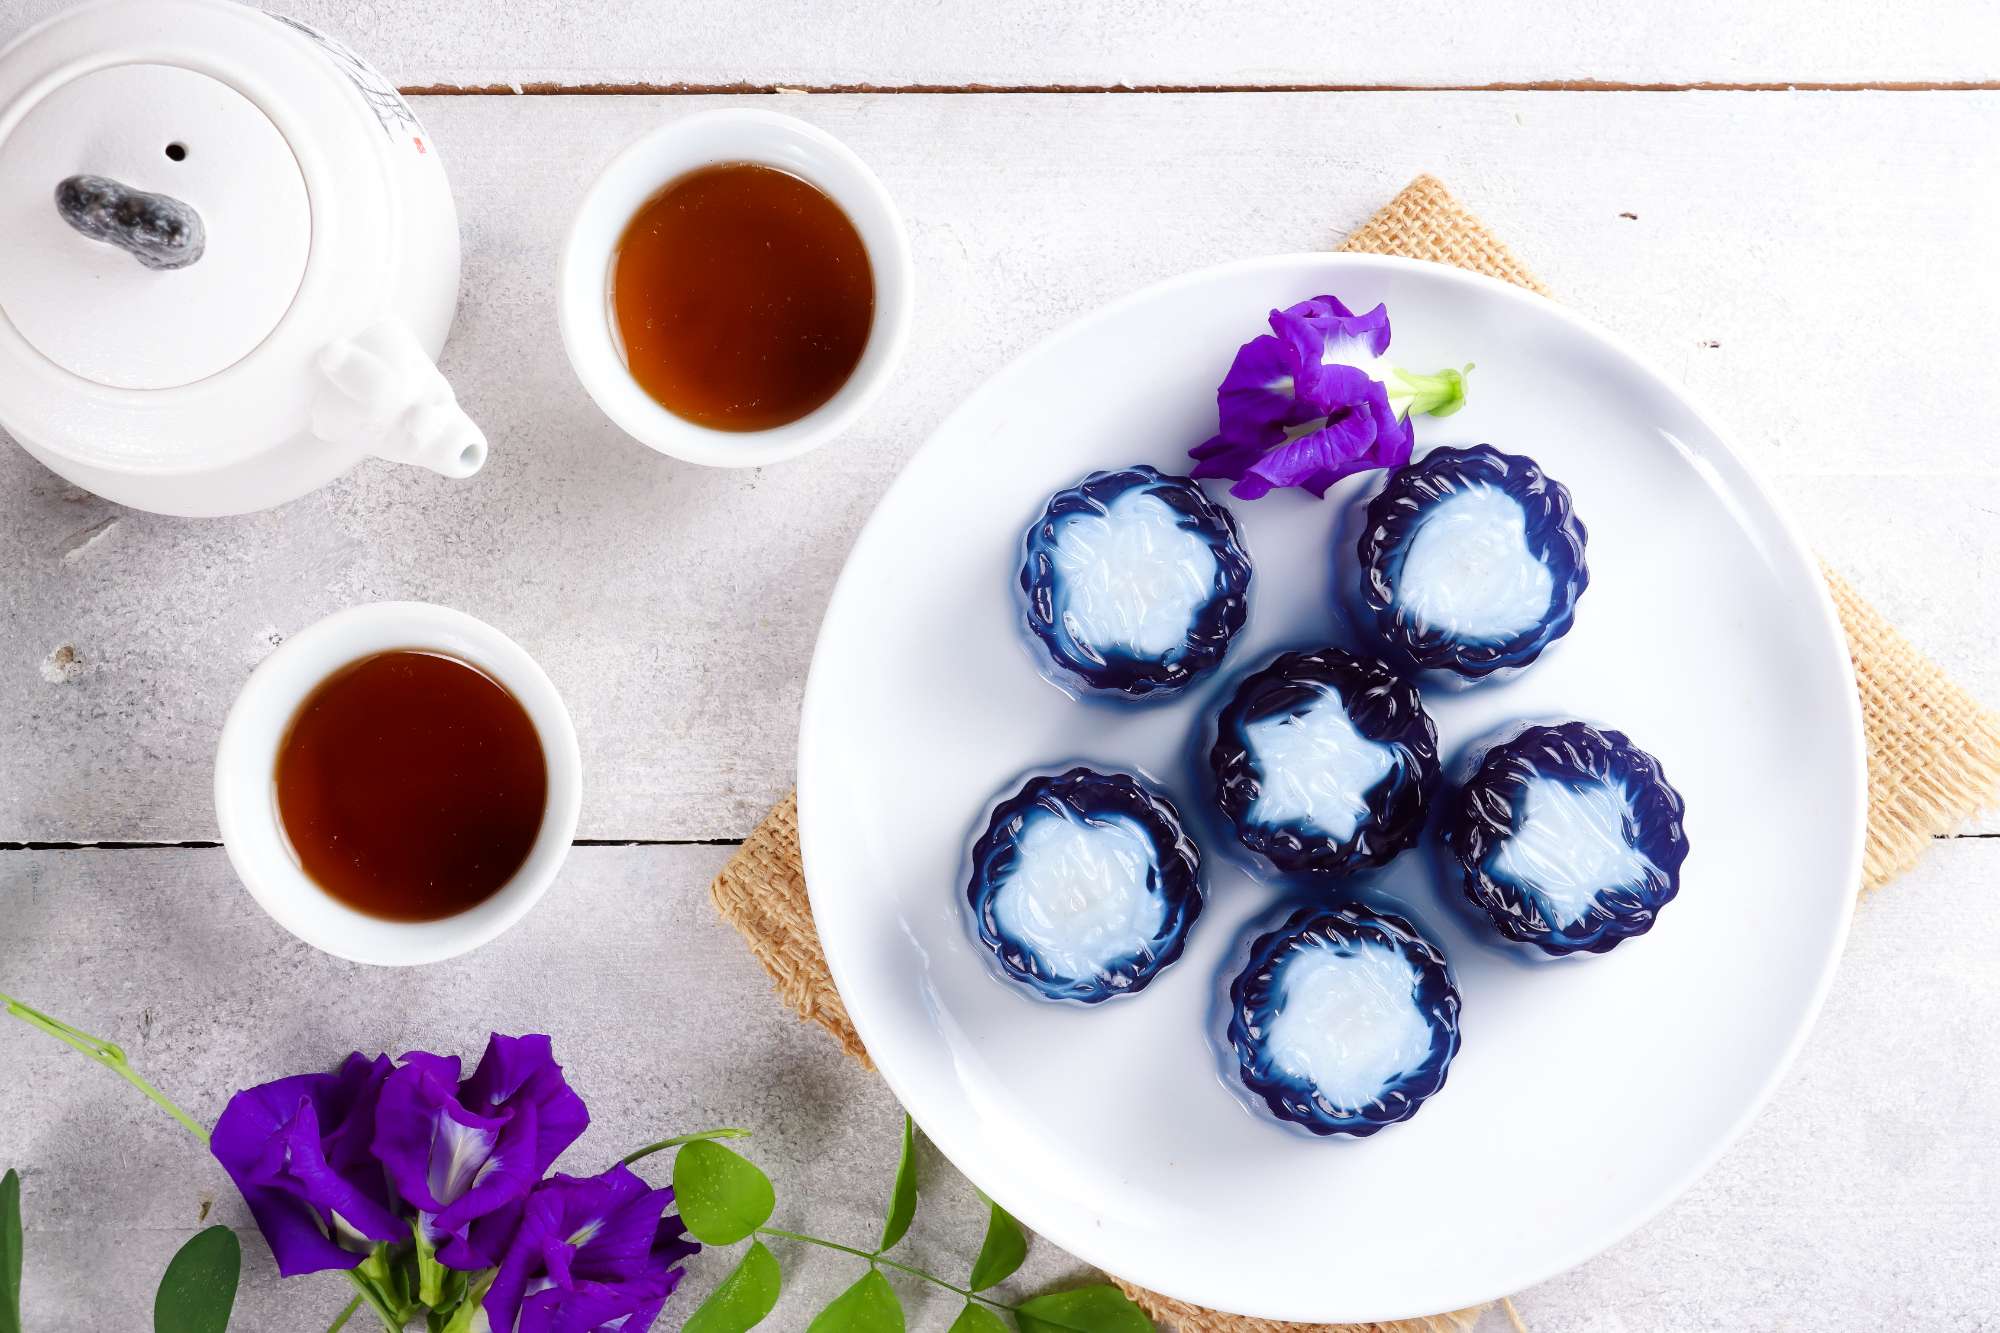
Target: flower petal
[589, 1252]
[518, 1070]
[289, 1147]
[1320, 457]
[1325, 332]
[430, 1145]
[1258, 390]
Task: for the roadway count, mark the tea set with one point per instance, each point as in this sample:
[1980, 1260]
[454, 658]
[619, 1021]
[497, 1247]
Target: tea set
[233, 260]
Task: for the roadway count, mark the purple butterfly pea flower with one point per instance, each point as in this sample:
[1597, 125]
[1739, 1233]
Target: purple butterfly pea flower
[1307, 403]
[300, 1151]
[461, 1152]
[589, 1256]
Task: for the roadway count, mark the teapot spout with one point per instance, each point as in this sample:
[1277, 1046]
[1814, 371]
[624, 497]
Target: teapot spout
[383, 396]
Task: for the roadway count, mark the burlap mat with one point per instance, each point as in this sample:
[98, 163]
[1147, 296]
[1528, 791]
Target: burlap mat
[1933, 760]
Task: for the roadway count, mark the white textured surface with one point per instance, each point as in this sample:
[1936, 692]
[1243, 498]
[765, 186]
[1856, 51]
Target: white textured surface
[1081, 895]
[1348, 1022]
[1131, 578]
[1816, 266]
[1470, 573]
[1315, 769]
[1203, 42]
[1570, 847]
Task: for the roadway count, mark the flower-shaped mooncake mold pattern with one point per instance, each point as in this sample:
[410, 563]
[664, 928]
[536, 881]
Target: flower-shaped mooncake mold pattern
[1344, 1021]
[1134, 583]
[1084, 885]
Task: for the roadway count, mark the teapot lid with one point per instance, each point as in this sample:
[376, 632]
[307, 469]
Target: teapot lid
[204, 202]
[149, 141]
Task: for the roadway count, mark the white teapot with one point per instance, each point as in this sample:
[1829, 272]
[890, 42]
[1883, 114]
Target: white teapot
[228, 257]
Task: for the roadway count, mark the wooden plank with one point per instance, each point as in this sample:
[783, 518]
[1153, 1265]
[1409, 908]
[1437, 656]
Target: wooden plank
[1129, 42]
[1805, 263]
[1859, 1200]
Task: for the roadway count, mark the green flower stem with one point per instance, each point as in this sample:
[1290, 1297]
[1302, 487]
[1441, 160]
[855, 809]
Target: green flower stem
[679, 1139]
[919, 1273]
[374, 1301]
[1437, 395]
[106, 1054]
[340, 1320]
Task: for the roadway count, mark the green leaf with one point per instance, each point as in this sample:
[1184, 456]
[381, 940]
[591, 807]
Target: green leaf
[10, 1253]
[722, 1196]
[869, 1306]
[976, 1319]
[744, 1297]
[199, 1289]
[1006, 1245]
[903, 1198]
[1098, 1309]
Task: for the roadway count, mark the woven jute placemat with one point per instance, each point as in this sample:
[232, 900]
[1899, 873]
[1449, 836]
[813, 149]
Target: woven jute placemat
[1933, 761]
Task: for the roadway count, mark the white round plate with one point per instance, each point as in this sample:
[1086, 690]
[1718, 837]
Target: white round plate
[1589, 1091]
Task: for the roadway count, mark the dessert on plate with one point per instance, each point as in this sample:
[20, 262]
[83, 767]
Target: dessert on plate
[1568, 837]
[1133, 584]
[1083, 885]
[1324, 762]
[1343, 1021]
[1472, 562]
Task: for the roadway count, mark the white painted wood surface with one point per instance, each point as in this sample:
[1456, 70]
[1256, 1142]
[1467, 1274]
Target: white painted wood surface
[1813, 265]
[1151, 42]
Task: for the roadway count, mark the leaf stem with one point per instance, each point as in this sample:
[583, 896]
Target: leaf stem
[914, 1272]
[106, 1054]
[375, 1301]
[679, 1139]
[340, 1320]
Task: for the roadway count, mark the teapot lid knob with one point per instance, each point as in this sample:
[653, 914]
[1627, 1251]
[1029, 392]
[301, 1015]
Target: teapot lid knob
[158, 230]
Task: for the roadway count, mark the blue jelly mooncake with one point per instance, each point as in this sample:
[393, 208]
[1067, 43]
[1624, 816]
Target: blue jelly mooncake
[1324, 762]
[1084, 885]
[1568, 837]
[1345, 1020]
[1471, 562]
[1134, 583]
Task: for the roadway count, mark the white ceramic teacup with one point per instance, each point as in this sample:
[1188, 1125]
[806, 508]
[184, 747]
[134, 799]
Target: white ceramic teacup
[246, 797]
[649, 166]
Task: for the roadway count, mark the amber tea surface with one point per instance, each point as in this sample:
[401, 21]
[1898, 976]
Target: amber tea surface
[411, 785]
[743, 297]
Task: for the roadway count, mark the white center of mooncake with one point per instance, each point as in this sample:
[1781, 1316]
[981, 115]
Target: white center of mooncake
[1568, 846]
[1348, 1023]
[1132, 579]
[1080, 895]
[1469, 572]
[1315, 770]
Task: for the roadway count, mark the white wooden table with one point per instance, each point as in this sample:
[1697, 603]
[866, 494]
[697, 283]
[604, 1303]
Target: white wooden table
[1817, 265]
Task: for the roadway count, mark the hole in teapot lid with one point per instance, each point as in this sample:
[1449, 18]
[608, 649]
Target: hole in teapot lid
[177, 152]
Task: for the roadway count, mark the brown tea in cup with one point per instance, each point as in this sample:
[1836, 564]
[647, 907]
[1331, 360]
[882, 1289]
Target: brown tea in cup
[411, 785]
[742, 297]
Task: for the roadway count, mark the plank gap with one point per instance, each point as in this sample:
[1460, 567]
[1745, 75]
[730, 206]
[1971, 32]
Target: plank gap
[552, 89]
